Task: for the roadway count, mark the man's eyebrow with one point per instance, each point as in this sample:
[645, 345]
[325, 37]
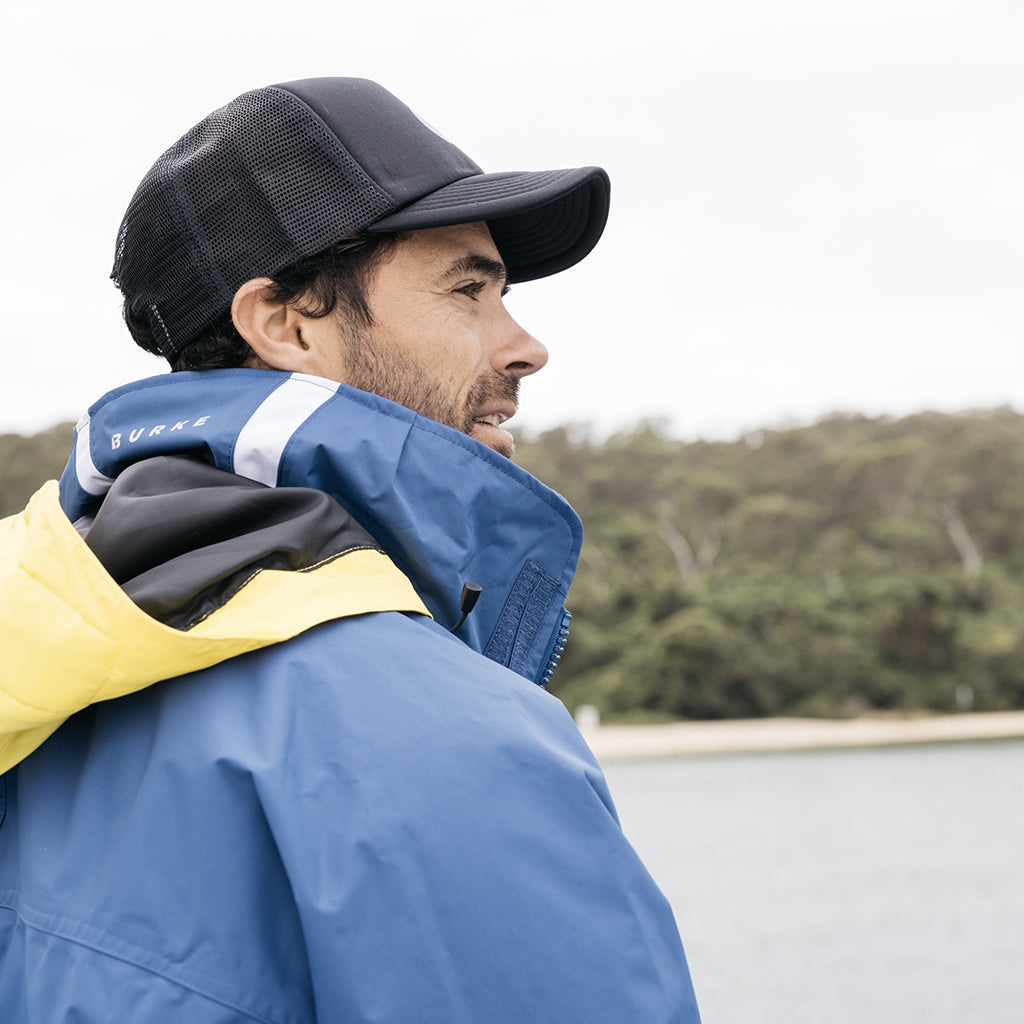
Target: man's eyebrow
[477, 263]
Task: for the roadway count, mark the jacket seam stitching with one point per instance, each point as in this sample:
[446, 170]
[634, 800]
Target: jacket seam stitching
[121, 958]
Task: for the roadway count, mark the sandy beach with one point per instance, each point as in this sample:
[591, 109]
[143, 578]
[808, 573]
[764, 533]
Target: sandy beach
[681, 739]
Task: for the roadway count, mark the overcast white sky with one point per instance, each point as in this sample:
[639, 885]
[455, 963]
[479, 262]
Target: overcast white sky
[815, 206]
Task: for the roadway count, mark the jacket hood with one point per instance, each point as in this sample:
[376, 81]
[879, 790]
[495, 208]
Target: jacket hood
[71, 636]
[444, 507]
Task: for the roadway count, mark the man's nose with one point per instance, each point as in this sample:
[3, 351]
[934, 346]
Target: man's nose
[520, 353]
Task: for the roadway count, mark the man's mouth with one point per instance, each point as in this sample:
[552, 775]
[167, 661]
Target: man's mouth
[494, 398]
[488, 428]
[495, 419]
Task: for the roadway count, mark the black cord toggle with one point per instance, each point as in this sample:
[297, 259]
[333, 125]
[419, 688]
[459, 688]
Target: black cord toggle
[470, 595]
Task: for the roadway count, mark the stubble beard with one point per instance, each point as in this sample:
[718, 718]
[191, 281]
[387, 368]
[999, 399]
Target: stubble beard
[372, 367]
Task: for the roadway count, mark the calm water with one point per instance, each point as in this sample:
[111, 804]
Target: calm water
[843, 886]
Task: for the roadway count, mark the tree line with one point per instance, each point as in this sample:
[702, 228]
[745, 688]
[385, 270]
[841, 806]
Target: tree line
[858, 564]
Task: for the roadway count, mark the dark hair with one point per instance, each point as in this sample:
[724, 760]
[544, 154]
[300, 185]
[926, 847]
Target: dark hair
[316, 286]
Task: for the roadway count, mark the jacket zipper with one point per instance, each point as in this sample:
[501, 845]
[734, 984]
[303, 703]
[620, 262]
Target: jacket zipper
[556, 645]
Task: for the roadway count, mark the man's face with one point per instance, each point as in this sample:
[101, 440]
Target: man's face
[442, 342]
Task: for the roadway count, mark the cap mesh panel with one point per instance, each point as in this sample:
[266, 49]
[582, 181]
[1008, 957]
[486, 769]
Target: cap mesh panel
[257, 185]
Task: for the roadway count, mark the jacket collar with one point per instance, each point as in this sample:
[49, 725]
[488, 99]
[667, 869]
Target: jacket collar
[446, 508]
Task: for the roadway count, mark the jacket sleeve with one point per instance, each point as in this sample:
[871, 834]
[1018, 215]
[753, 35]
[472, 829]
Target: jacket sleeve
[450, 841]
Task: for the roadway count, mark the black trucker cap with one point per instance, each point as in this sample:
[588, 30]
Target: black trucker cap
[283, 172]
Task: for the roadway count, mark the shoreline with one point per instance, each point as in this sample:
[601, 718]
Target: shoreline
[764, 735]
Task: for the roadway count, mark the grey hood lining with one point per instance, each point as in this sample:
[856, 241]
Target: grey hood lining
[182, 537]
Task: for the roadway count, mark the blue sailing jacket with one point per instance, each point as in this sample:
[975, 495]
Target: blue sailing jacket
[372, 821]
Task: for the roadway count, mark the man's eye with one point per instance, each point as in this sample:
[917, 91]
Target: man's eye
[472, 289]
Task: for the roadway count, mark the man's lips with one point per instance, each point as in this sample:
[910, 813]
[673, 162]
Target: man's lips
[494, 400]
[494, 419]
[487, 427]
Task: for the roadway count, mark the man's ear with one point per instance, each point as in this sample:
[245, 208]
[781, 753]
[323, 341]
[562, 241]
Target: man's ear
[272, 328]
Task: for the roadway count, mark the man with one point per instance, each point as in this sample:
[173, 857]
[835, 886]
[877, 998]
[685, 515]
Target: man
[347, 799]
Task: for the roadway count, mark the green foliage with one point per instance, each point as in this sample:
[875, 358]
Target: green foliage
[27, 462]
[856, 564]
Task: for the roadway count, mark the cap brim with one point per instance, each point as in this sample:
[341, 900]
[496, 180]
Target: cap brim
[541, 221]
